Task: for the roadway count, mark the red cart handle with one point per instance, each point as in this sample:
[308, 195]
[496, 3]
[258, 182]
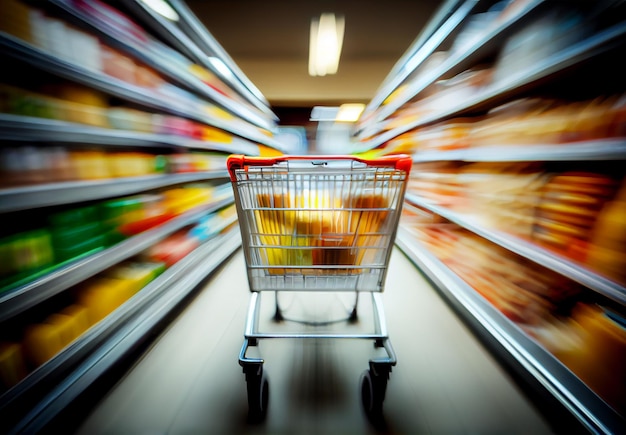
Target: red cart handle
[402, 162]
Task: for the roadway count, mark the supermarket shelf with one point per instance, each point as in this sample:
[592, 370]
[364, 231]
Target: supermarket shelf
[203, 38]
[457, 62]
[421, 49]
[166, 66]
[462, 59]
[538, 363]
[33, 403]
[50, 194]
[27, 128]
[20, 299]
[179, 39]
[499, 92]
[532, 252]
[23, 51]
[602, 149]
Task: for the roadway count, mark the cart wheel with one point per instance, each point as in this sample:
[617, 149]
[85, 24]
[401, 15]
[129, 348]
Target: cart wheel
[258, 397]
[373, 394]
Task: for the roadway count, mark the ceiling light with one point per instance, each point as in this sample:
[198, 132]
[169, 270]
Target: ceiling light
[345, 113]
[162, 8]
[349, 112]
[325, 44]
[324, 113]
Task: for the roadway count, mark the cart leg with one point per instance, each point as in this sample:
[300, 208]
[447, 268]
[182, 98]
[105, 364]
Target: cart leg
[256, 383]
[258, 392]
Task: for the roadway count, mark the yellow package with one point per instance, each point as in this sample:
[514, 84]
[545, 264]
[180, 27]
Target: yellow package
[12, 364]
[41, 342]
[103, 295]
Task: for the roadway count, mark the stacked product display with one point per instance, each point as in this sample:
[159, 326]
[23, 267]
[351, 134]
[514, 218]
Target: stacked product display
[515, 114]
[115, 125]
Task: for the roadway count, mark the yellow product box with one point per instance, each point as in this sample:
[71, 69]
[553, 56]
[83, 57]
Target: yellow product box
[265, 151]
[80, 318]
[213, 134]
[12, 364]
[15, 19]
[79, 94]
[183, 199]
[102, 295]
[67, 329]
[131, 164]
[85, 114]
[90, 165]
[137, 275]
[218, 113]
[41, 342]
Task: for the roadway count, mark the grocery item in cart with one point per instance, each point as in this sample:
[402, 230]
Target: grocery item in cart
[327, 219]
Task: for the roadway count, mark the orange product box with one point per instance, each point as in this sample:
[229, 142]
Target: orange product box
[118, 65]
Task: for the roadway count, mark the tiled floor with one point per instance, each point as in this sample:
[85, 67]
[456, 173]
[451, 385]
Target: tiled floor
[190, 382]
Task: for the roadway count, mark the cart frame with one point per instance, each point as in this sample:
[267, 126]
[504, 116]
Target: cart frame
[318, 224]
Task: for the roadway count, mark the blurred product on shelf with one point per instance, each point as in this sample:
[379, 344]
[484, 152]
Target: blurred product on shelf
[554, 30]
[174, 248]
[569, 209]
[505, 195]
[23, 255]
[12, 364]
[86, 51]
[110, 289]
[529, 121]
[84, 106]
[592, 343]
[196, 162]
[439, 183]
[522, 291]
[540, 121]
[76, 232]
[550, 308]
[28, 165]
[178, 245]
[607, 247]
[572, 213]
[36, 342]
[83, 230]
[125, 68]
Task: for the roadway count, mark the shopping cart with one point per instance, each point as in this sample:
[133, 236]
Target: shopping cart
[314, 226]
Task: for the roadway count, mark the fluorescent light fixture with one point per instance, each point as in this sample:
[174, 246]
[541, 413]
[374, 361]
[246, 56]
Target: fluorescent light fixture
[325, 44]
[323, 113]
[349, 112]
[163, 8]
[344, 113]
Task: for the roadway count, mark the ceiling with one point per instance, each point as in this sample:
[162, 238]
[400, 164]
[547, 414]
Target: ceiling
[269, 41]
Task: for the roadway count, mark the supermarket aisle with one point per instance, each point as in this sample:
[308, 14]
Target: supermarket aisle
[190, 381]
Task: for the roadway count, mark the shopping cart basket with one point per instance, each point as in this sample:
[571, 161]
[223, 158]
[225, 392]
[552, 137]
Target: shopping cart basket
[317, 225]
